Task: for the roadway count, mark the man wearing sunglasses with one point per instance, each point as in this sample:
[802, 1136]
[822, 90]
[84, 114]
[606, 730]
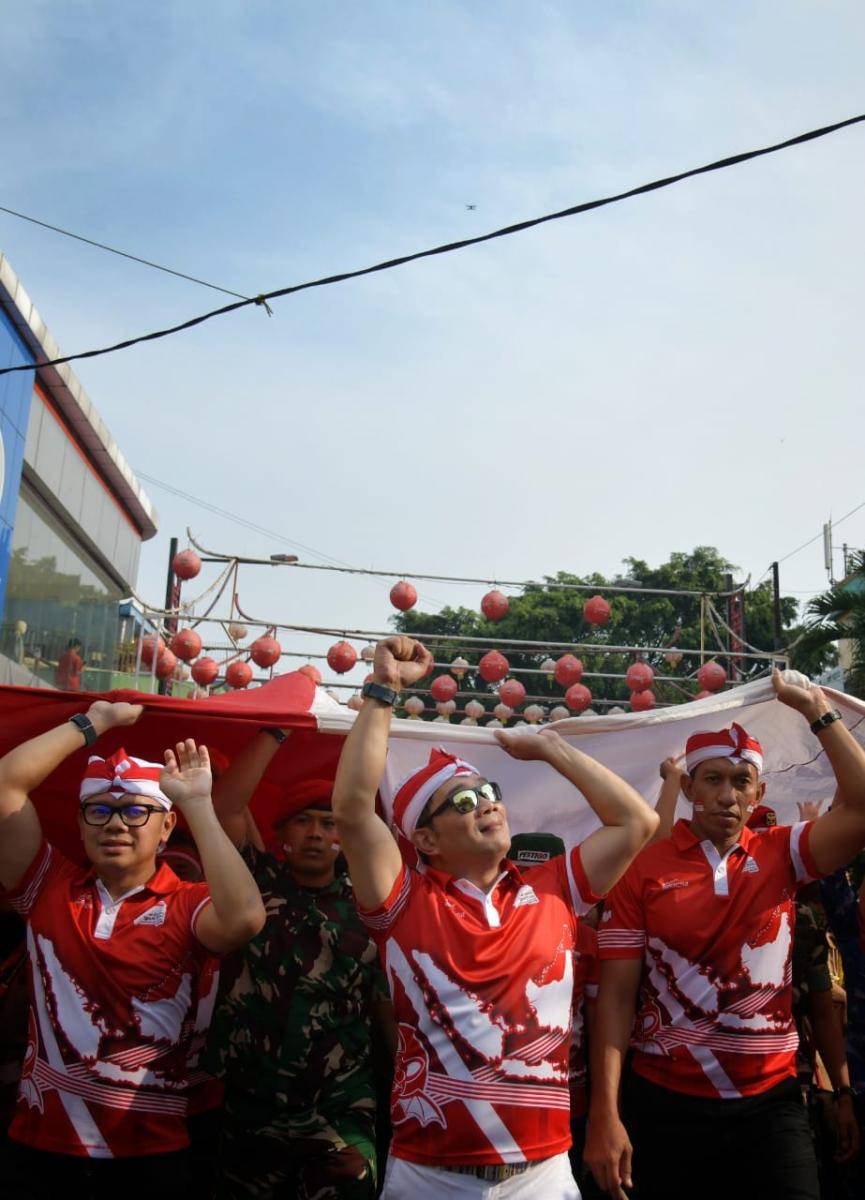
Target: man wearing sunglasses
[116, 954]
[479, 958]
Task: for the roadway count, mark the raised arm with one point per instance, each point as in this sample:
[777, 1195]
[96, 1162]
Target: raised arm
[668, 798]
[236, 913]
[24, 768]
[627, 821]
[235, 787]
[373, 856]
[838, 835]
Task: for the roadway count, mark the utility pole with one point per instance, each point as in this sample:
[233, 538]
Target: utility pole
[172, 599]
[776, 607]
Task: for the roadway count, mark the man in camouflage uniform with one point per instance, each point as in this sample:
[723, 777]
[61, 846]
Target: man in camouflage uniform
[291, 1035]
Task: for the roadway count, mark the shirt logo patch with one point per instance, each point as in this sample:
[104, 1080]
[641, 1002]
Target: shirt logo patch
[751, 866]
[152, 916]
[526, 895]
[674, 883]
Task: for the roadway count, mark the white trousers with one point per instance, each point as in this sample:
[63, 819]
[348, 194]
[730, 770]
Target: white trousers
[550, 1179]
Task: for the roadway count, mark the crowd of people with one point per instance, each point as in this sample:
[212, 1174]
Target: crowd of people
[667, 1009]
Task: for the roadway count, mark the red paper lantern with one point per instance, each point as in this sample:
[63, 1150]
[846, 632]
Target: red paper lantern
[186, 644]
[205, 671]
[238, 674]
[493, 666]
[165, 664]
[712, 676]
[341, 657]
[569, 670]
[578, 697]
[186, 564]
[403, 595]
[596, 611]
[512, 693]
[444, 688]
[639, 677]
[151, 647]
[265, 651]
[310, 672]
[642, 701]
[494, 605]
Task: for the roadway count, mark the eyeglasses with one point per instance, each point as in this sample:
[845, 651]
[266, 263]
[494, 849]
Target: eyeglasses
[467, 799]
[130, 814]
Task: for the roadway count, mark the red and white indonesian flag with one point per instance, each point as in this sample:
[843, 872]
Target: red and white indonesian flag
[795, 767]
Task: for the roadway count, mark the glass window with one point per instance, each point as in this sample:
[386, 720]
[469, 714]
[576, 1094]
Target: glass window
[68, 604]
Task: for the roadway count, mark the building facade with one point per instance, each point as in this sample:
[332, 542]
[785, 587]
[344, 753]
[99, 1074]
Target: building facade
[72, 514]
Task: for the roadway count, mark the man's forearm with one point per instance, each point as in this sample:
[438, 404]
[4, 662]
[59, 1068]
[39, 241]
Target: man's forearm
[234, 789]
[233, 891]
[25, 767]
[362, 763]
[614, 1018]
[613, 800]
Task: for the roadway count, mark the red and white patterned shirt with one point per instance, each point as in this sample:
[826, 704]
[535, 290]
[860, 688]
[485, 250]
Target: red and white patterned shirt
[482, 986]
[715, 933]
[114, 993]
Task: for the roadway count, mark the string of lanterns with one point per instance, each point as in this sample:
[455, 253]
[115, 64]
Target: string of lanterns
[494, 668]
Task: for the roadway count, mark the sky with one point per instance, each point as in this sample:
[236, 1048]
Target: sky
[681, 369]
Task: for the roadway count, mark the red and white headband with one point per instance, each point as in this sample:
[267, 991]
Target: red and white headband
[121, 774]
[734, 743]
[419, 785]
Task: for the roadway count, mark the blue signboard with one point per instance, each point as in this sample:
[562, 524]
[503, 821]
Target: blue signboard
[16, 394]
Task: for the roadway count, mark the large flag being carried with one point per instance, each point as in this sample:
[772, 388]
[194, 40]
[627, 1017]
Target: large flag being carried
[632, 744]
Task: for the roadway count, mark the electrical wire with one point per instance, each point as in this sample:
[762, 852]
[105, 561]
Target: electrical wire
[145, 262]
[450, 247]
[815, 538]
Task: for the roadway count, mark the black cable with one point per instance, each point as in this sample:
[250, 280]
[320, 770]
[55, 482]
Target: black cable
[449, 247]
[112, 250]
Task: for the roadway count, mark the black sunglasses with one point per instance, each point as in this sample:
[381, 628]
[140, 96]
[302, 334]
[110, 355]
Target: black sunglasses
[466, 799]
[98, 813]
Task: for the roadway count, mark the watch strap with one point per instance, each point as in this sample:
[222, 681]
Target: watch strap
[82, 721]
[377, 691]
[825, 720]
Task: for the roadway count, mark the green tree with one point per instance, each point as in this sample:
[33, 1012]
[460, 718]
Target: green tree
[546, 613]
[839, 614]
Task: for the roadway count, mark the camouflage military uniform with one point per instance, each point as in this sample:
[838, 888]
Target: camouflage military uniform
[291, 1039]
[810, 973]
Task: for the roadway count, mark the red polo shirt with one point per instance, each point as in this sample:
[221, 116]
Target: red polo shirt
[114, 992]
[483, 987]
[715, 933]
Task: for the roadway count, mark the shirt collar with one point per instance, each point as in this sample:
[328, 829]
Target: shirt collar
[685, 838]
[445, 880]
[162, 883]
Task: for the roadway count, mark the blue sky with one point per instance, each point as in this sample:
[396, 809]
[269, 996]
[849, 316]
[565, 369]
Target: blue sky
[681, 369]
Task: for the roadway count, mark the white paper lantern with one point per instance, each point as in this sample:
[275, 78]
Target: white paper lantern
[368, 652]
[548, 666]
[459, 666]
[559, 713]
[236, 631]
[475, 709]
[414, 706]
[503, 712]
[355, 701]
[534, 713]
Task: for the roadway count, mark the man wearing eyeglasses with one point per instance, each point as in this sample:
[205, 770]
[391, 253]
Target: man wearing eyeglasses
[116, 952]
[479, 958]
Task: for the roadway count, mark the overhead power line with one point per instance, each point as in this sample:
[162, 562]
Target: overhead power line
[145, 262]
[450, 247]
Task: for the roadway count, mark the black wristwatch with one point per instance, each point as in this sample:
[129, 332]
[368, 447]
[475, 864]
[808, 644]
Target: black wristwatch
[278, 735]
[377, 691]
[82, 721]
[824, 721]
[846, 1090]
